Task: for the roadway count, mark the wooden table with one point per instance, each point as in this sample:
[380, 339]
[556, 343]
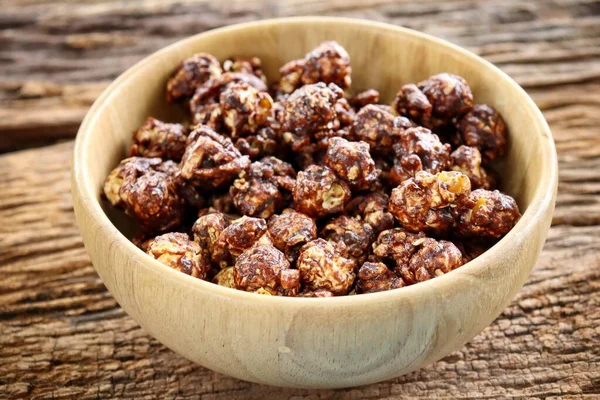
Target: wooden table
[62, 335]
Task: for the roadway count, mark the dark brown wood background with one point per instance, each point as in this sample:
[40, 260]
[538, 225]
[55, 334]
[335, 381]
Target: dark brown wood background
[62, 335]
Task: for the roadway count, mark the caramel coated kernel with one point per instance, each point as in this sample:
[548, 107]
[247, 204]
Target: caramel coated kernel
[191, 196]
[373, 209]
[414, 257]
[239, 236]
[204, 105]
[379, 128]
[177, 251]
[396, 246]
[449, 95]
[319, 192]
[159, 139]
[291, 74]
[245, 109]
[352, 162]
[412, 103]
[190, 74]
[211, 160]
[264, 269]
[290, 231]
[329, 63]
[484, 128]
[148, 195]
[207, 230]
[225, 278]
[308, 110]
[467, 160]
[487, 214]
[265, 142]
[258, 192]
[377, 277]
[356, 235]
[128, 170]
[419, 150]
[321, 266]
[433, 258]
[425, 202]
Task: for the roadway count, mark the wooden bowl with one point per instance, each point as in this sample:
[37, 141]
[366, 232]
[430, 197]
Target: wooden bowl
[299, 342]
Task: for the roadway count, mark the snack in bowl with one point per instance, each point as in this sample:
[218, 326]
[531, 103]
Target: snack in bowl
[309, 190]
[317, 339]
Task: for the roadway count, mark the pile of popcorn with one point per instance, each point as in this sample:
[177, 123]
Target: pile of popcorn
[302, 189]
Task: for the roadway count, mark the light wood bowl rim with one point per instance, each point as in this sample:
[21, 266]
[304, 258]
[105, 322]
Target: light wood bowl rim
[541, 203]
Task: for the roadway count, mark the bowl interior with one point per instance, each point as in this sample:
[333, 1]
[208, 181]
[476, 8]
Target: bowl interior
[382, 58]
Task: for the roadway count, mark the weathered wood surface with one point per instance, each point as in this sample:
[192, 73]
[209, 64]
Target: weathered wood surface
[63, 336]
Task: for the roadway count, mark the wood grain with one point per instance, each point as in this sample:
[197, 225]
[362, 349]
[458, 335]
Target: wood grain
[63, 336]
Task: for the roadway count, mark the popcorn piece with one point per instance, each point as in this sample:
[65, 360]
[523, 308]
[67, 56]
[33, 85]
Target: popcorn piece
[225, 278]
[264, 269]
[159, 139]
[352, 162]
[322, 267]
[414, 257]
[484, 128]
[356, 235]
[245, 65]
[207, 229]
[210, 160]
[237, 237]
[418, 150]
[148, 195]
[177, 251]
[329, 63]
[204, 105]
[487, 214]
[290, 231]
[467, 160]
[379, 128]
[377, 277]
[365, 98]
[308, 110]
[258, 192]
[425, 202]
[412, 103]
[319, 192]
[245, 109]
[433, 258]
[449, 94]
[396, 246]
[190, 74]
